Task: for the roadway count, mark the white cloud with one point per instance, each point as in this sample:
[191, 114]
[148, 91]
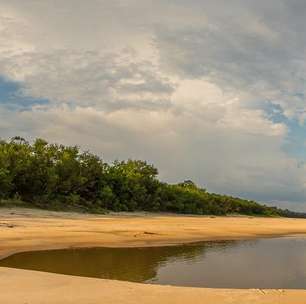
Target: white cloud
[180, 84]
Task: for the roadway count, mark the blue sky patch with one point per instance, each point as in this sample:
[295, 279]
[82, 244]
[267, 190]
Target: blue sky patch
[13, 98]
[295, 142]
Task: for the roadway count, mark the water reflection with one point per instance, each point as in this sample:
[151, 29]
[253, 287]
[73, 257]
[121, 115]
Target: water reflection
[132, 264]
[266, 263]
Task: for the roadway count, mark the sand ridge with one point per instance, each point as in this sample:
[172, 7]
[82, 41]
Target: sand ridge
[20, 287]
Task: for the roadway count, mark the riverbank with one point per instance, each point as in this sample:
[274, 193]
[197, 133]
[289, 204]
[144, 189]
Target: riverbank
[26, 229]
[20, 287]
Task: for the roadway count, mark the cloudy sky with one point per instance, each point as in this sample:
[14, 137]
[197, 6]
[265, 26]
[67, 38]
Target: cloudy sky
[212, 91]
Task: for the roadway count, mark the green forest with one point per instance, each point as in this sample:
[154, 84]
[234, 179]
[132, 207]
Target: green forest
[59, 177]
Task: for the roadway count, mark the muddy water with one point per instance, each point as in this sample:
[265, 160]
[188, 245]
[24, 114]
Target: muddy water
[263, 263]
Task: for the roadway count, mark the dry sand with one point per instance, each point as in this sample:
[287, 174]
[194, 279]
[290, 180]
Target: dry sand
[24, 229]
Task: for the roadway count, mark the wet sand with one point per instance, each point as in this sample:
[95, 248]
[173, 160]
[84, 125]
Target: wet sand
[20, 287]
[25, 229]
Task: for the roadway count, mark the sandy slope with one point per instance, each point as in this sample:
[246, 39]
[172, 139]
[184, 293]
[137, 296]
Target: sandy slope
[22, 229]
[30, 287]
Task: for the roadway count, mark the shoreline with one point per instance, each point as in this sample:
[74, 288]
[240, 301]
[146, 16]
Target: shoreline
[148, 245]
[24, 230]
[34, 287]
[29, 230]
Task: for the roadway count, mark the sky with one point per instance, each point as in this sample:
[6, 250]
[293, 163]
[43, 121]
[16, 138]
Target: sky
[212, 91]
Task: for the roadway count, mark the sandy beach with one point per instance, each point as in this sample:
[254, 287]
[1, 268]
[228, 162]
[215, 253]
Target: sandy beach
[25, 230]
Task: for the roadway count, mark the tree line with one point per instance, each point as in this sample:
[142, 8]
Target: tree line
[62, 177]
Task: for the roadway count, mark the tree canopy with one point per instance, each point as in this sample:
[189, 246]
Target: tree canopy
[63, 177]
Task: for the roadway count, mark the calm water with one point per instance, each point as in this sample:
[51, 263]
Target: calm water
[264, 263]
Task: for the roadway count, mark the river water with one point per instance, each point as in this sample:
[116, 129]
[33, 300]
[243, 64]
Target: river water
[262, 263]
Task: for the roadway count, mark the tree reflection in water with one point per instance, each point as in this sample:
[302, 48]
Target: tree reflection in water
[130, 264]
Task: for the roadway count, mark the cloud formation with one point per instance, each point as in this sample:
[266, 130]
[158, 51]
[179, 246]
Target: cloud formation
[212, 91]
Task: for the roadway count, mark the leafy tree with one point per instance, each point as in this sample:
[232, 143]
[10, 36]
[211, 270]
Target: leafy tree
[50, 175]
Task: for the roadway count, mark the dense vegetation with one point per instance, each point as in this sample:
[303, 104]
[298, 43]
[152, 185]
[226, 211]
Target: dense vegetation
[60, 177]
